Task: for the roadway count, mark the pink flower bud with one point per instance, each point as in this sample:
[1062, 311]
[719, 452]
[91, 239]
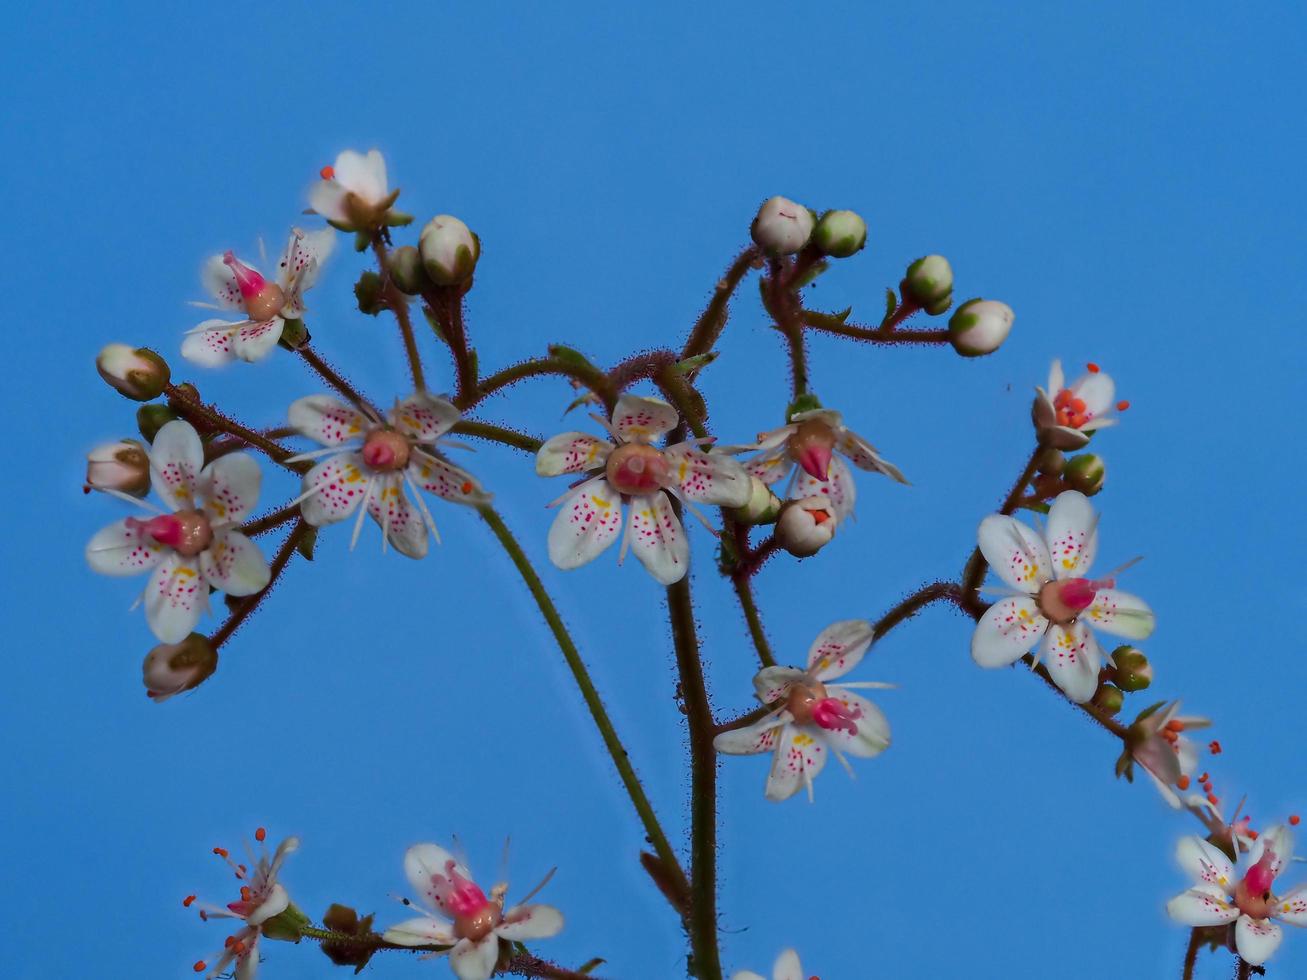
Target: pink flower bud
[806, 526]
[123, 466]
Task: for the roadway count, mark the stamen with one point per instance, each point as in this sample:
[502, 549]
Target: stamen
[188, 901]
[327, 173]
[1182, 782]
[1294, 820]
[1093, 368]
[200, 966]
[1122, 406]
[1214, 747]
[261, 835]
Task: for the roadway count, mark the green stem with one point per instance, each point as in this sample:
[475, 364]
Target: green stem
[745, 593]
[712, 321]
[589, 693]
[702, 919]
[497, 433]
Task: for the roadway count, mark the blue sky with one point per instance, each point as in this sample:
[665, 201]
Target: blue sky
[1126, 176]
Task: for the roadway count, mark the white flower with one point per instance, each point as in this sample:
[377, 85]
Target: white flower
[353, 194]
[806, 526]
[266, 304]
[1167, 756]
[196, 545]
[787, 967]
[782, 227]
[1055, 604]
[1065, 417]
[465, 919]
[804, 450]
[813, 715]
[646, 477]
[1220, 896]
[262, 898]
[370, 460]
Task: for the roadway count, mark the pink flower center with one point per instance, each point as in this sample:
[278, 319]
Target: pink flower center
[636, 469]
[263, 299]
[1253, 895]
[833, 715]
[811, 447]
[187, 532]
[385, 450]
[475, 916]
[1063, 601]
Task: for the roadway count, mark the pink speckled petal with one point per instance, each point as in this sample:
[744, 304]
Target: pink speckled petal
[327, 420]
[1017, 554]
[643, 419]
[121, 549]
[446, 480]
[209, 344]
[229, 487]
[426, 867]
[175, 597]
[255, 341]
[403, 524]
[339, 483]
[297, 271]
[1257, 939]
[1072, 534]
[773, 683]
[1204, 862]
[1292, 907]
[864, 456]
[424, 418]
[658, 539]
[839, 648]
[1120, 614]
[530, 922]
[771, 465]
[588, 522]
[572, 452]
[800, 756]
[762, 736]
[1073, 659]
[220, 283]
[1009, 629]
[1202, 905]
[234, 564]
[838, 487]
[421, 931]
[176, 457]
[709, 478]
[475, 961]
[1280, 840]
[873, 735]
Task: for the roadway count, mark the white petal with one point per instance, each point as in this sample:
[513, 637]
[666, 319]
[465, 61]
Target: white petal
[175, 597]
[658, 539]
[1056, 378]
[176, 458]
[873, 735]
[710, 478]
[247, 963]
[277, 902]
[1010, 628]
[445, 480]
[1204, 862]
[864, 456]
[422, 863]
[253, 341]
[1097, 390]
[1279, 840]
[327, 198]
[220, 283]
[787, 966]
[839, 648]
[1072, 534]
[365, 175]
[643, 419]
[571, 452]
[234, 564]
[770, 465]
[229, 487]
[298, 270]
[530, 922]
[1257, 939]
[1015, 552]
[122, 549]
[475, 961]
[761, 736]
[340, 483]
[422, 931]
[1202, 905]
[1073, 659]
[1292, 908]
[799, 757]
[209, 344]
[327, 420]
[588, 522]
[773, 683]
[1120, 614]
[838, 486]
[403, 524]
[424, 418]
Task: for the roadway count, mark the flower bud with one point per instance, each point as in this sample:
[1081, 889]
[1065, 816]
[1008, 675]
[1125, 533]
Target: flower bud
[449, 250]
[929, 281]
[1133, 672]
[805, 526]
[368, 293]
[151, 418]
[171, 668]
[123, 466]
[1085, 473]
[1051, 462]
[840, 234]
[138, 373]
[1108, 699]
[979, 326]
[406, 270]
[762, 507]
[287, 925]
[782, 227]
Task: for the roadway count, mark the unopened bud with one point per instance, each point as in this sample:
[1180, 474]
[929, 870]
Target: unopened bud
[1108, 699]
[806, 526]
[449, 250]
[136, 372]
[406, 270]
[929, 282]
[287, 925]
[782, 227]
[1133, 671]
[840, 234]
[171, 668]
[151, 418]
[979, 326]
[368, 293]
[122, 466]
[1051, 462]
[762, 507]
[294, 334]
[1085, 473]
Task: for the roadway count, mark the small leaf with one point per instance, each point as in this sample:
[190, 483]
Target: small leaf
[307, 543]
[811, 275]
[361, 242]
[430, 314]
[397, 219]
[891, 303]
[569, 355]
[589, 966]
[694, 363]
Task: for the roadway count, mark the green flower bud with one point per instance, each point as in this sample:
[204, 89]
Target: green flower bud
[151, 418]
[979, 326]
[941, 305]
[762, 507]
[135, 372]
[171, 668]
[449, 250]
[782, 227]
[929, 281]
[1085, 473]
[287, 925]
[123, 466]
[406, 270]
[840, 234]
[368, 293]
[1051, 462]
[1108, 699]
[1133, 671]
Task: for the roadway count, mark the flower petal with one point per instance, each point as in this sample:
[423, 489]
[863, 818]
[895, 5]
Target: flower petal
[1204, 862]
[838, 486]
[326, 420]
[176, 458]
[123, 549]
[475, 961]
[209, 344]
[175, 597]
[445, 480]
[339, 484]
[1256, 939]
[1292, 907]
[839, 648]
[1279, 840]
[277, 902]
[424, 418]
[787, 966]
[247, 963]
[799, 757]
[396, 514]
[587, 523]
[253, 341]
[220, 282]
[234, 564]
[1097, 390]
[1072, 534]
[658, 539]
[710, 478]
[761, 736]
[1017, 554]
[1202, 905]
[864, 456]
[643, 419]
[422, 931]
[1072, 657]
[229, 487]
[364, 174]
[773, 683]
[571, 452]
[770, 465]
[327, 198]
[873, 735]
[1120, 614]
[423, 863]
[530, 922]
[1010, 627]
[298, 270]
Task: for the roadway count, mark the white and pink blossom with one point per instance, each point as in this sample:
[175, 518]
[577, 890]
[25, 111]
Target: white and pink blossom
[353, 194]
[1065, 416]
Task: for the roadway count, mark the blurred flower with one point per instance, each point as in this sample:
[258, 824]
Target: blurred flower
[633, 470]
[369, 461]
[787, 967]
[1065, 417]
[268, 304]
[196, 545]
[353, 194]
[464, 919]
[1157, 742]
[813, 715]
[1054, 603]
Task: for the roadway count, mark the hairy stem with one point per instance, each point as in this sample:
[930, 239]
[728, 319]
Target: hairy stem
[914, 603]
[744, 590]
[885, 335]
[333, 378]
[269, 522]
[209, 418]
[712, 321]
[246, 606]
[397, 302]
[1191, 954]
[973, 574]
[496, 433]
[584, 374]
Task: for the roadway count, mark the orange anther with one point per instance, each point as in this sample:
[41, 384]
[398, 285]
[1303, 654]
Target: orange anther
[327, 172]
[1203, 778]
[245, 893]
[1213, 799]
[222, 852]
[1078, 405]
[1175, 725]
[1122, 406]
[1093, 368]
[1183, 781]
[260, 835]
[820, 516]
[1252, 834]
[229, 942]
[1214, 746]
[186, 902]
[200, 966]
[466, 487]
[1294, 820]
[1207, 787]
